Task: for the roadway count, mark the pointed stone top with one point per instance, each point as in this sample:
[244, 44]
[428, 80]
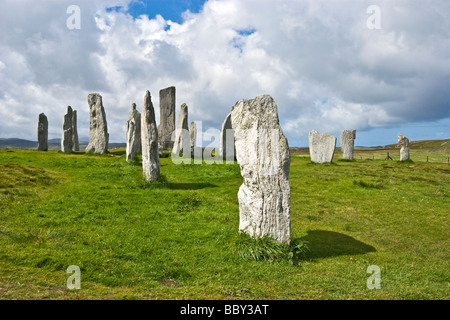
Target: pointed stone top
[148, 104]
[402, 138]
[93, 97]
[42, 117]
[133, 106]
[69, 109]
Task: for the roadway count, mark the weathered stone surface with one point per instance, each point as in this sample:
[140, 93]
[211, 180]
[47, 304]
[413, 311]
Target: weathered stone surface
[226, 125]
[67, 135]
[193, 135]
[133, 133]
[42, 133]
[262, 152]
[149, 136]
[182, 138]
[166, 126]
[321, 146]
[348, 143]
[227, 150]
[98, 128]
[75, 141]
[403, 142]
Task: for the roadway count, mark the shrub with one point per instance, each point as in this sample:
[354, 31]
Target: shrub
[266, 248]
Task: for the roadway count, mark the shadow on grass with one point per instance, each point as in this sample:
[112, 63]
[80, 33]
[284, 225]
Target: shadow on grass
[190, 186]
[325, 164]
[373, 185]
[117, 152]
[327, 244]
[405, 162]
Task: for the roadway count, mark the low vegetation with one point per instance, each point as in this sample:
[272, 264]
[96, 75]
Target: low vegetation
[177, 238]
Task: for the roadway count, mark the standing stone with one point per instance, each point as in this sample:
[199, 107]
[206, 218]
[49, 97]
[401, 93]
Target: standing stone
[262, 152]
[321, 146]
[98, 129]
[133, 133]
[227, 148]
[182, 138]
[193, 135]
[149, 136]
[43, 133]
[166, 126]
[404, 147]
[67, 136]
[348, 143]
[76, 143]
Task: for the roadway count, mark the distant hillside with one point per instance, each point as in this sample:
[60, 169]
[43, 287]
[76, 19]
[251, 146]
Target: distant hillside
[53, 144]
[425, 145]
[432, 145]
[15, 143]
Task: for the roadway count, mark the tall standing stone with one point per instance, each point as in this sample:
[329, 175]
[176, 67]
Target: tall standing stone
[166, 126]
[182, 138]
[404, 147]
[133, 133]
[262, 152]
[42, 133]
[149, 136]
[321, 146]
[193, 135]
[348, 143]
[98, 128]
[75, 143]
[67, 136]
[227, 150]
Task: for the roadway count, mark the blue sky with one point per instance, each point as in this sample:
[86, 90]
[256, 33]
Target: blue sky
[169, 9]
[317, 58]
[414, 131]
[173, 10]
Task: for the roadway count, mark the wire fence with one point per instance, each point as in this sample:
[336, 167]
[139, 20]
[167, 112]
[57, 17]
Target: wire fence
[391, 155]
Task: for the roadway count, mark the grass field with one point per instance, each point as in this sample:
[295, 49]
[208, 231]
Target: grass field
[177, 238]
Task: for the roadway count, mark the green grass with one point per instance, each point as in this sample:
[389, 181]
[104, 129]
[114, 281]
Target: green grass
[177, 238]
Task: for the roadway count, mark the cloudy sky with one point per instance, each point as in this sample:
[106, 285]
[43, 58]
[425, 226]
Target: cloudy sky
[326, 63]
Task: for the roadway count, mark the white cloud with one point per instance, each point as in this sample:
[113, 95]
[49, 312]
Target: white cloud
[324, 68]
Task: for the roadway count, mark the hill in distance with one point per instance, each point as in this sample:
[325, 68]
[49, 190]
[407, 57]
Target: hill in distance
[53, 144]
[430, 145]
